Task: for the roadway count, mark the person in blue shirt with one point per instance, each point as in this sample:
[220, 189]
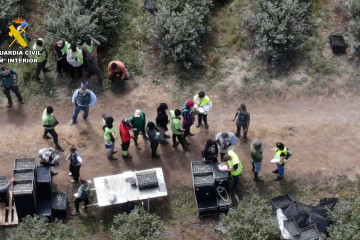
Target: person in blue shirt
[83, 99]
[8, 78]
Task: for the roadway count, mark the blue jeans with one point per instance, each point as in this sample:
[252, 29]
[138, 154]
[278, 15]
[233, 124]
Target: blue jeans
[77, 110]
[281, 169]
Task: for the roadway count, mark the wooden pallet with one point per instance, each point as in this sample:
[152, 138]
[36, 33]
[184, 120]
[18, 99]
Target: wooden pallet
[8, 214]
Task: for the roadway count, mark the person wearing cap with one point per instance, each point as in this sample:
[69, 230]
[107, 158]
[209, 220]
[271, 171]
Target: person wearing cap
[117, 71]
[23, 30]
[76, 162]
[242, 121]
[162, 121]
[234, 166]
[124, 130]
[176, 128]
[188, 119]
[202, 106]
[138, 121]
[154, 137]
[49, 122]
[226, 142]
[109, 136]
[74, 57]
[9, 78]
[89, 49]
[41, 59]
[61, 47]
[83, 99]
[257, 157]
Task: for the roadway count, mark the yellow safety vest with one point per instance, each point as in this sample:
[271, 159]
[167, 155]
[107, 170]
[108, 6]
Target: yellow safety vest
[233, 161]
[197, 101]
[278, 153]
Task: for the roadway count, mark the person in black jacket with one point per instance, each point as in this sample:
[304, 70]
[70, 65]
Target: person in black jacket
[210, 151]
[162, 121]
[154, 137]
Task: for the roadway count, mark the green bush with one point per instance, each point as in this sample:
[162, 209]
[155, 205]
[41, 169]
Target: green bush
[250, 220]
[178, 28]
[38, 228]
[347, 219]
[280, 28]
[9, 11]
[73, 20]
[353, 30]
[138, 225]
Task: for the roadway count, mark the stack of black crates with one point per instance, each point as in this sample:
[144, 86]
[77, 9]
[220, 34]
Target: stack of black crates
[4, 196]
[208, 180]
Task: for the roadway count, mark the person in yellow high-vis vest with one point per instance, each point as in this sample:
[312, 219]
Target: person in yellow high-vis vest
[235, 167]
[202, 106]
[283, 153]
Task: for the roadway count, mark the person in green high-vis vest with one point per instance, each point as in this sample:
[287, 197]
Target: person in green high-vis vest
[234, 166]
[74, 57]
[49, 122]
[41, 59]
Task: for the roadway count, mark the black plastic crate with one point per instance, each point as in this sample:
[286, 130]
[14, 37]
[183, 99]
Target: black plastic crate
[43, 183]
[147, 179]
[320, 222]
[220, 174]
[222, 204]
[44, 209]
[59, 204]
[24, 174]
[43, 174]
[24, 198]
[206, 179]
[294, 209]
[200, 167]
[292, 227]
[337, 43]
[3, 180]
[309, 233]
[25, 163]
[4, 196]
[23, 187]
[205, 192]
[207, 207]
[282, 201]
[329, 203]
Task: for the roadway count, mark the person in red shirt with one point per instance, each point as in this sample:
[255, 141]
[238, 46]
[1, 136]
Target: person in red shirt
[124, 130]
[117, 71]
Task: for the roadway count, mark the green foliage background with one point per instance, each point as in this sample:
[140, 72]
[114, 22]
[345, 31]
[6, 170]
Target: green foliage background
[9, 11]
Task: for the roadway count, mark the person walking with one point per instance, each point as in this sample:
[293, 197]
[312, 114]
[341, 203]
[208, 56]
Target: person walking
[154, 137]
[76, 162]
[74, 57]
[188, 119]
[109, 136]
[49, 122]
[9, 78]
[226, 142]
[89, 49]
[177, 129]
[82, 195]
[61, 47]
[117, 71]
[41, 59]
[242, 121]
[138, 121]
[257, 157]
[162, 121]
[83, 99]
[124, 130]
[234, 166]
[210, 151]
[283, 154]
[202, 106]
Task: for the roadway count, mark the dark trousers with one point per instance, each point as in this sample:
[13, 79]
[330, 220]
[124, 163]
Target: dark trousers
[154, 147]
[53, 134]
[79, 200]
[75, 171]
[92, 66]
[186, 130]
[62, 65]
[40, 67]
[75, 72]
[180, 138]
[15, 90]
[238, 129]
[236, 180]
[78, 109]
[125, 146]
[201, 117]
[136, 135]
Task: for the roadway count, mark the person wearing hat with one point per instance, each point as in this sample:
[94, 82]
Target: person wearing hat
[124, 130]
[41, 59]
[109, 136]
[226, 142]
[117, 71]
[49, 122]
[242, 121]
[202, 106]
[154, 137]
[257, 157]
[83, 99]
[9, 78]
[74, 57]
[177, 129]
[138, 121]
[188, 119]
[89, 49]
[61, 47]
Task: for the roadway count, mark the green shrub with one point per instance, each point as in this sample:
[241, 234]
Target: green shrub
[73, 20]
[346, 218]
[138, 225]
[178, 28]
[250, 220]
[280, 28]
[9, 11]
[353, 30]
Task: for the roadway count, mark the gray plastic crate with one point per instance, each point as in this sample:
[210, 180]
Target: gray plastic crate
[291, 226]
[199, 167]
[3, 180]
[282, 201]
[309, 233]
[23, 187]
[23, 174]
[25, 163]
[204, 180]
[147, 179]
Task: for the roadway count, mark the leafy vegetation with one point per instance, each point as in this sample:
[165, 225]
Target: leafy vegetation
[353, 31]
[9, 11]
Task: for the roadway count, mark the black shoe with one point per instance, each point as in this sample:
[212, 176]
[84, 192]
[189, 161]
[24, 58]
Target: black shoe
[9, 105]
[191, 134]
[164, 142]
[22, 101]
[186, 149]
[186, 142]
[46, 137]
[59, 148]
[166, 136]
[155, 156]
[176, 144]
[114, 152]
[127, 157]
[256, 179]
[275, 171]
[197, 126]
[278, 178]
[53, 173]
[206, 126]
[112, 158]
